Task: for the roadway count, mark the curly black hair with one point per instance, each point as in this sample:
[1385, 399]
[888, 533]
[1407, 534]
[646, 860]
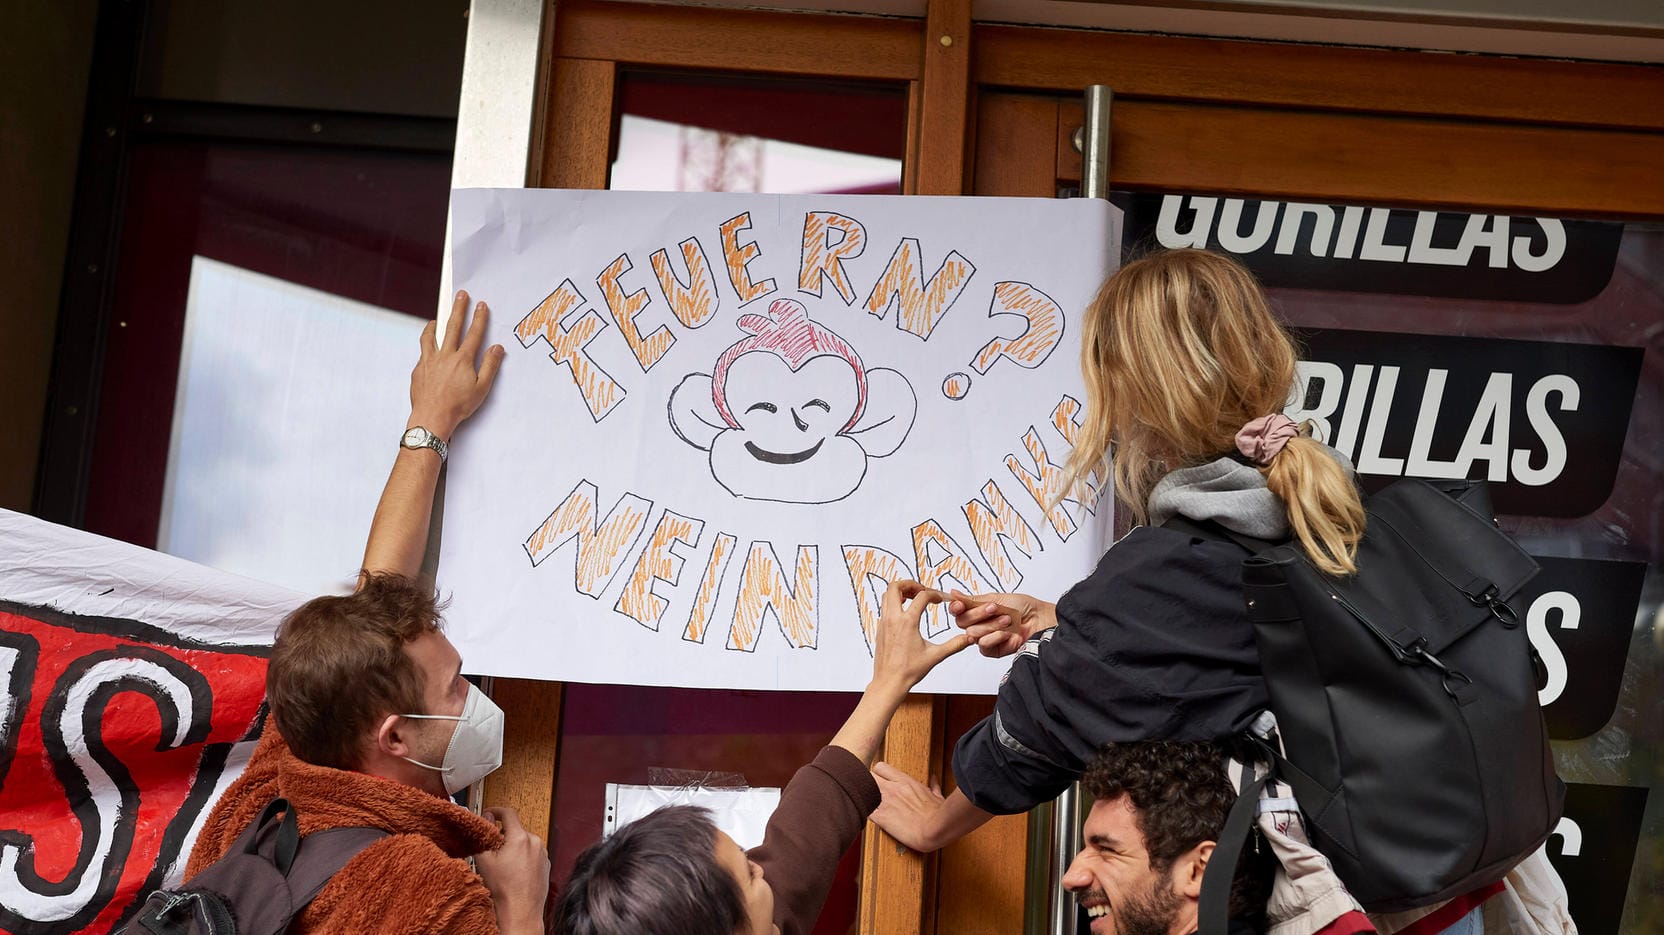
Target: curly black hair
[1180, 795]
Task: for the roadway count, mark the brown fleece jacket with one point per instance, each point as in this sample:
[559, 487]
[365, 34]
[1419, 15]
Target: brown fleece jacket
[821, 813]
[414, 880]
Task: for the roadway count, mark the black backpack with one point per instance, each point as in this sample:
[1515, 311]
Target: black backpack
[267, 877]
[1406, 702]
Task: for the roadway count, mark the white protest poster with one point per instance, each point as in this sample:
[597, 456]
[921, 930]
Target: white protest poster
[726, 421]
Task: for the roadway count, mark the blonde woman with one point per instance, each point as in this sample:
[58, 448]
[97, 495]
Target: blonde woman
[1187, 373]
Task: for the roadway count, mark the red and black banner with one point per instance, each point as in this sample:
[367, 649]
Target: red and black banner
[121, 720]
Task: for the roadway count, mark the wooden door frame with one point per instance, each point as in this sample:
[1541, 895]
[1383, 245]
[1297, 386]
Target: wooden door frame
[990, 110]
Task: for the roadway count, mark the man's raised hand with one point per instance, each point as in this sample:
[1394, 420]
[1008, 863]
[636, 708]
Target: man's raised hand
[450, 380]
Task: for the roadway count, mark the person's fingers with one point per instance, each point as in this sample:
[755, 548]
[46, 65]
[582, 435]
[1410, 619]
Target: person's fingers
[982, 615]
[922, 599]
[488, 370]
[904, 588]
[428, 333]
[508, 818]
[987, 634]
[453, 324]
[885, 771]
[891, 603]
[946, 648]
[475, 337]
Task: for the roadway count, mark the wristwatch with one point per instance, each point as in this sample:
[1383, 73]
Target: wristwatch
[418, 437]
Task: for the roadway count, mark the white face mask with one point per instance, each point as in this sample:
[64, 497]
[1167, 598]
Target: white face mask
[476, 747]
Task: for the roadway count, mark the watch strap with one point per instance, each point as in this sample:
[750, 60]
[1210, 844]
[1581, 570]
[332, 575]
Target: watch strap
[417, 437]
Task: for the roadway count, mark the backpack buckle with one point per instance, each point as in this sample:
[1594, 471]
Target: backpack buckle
[1413, 654]
[1503, 613]
[1489, 598]
[173, 904]
[1456, 683]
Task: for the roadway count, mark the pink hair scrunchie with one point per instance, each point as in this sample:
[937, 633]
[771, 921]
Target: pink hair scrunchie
[1262, 438]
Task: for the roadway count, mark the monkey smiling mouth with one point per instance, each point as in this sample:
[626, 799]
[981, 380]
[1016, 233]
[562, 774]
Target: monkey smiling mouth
[775, 457]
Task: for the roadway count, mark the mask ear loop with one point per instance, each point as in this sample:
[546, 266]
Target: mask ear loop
[468, 708]
[433, 717]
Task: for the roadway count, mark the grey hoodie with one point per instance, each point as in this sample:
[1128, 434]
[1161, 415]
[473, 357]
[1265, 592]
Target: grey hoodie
[1228, 492]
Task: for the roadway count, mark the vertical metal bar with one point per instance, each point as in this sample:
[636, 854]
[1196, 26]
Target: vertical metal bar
[1065, 813]
[1037, 890]
[1094, 145]
[1065, 844]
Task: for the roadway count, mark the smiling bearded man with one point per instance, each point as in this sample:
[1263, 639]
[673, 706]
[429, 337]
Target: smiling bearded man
[1157, 812]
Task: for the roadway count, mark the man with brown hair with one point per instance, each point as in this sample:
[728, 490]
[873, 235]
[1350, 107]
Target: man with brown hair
[1158, 809]
[372, 724]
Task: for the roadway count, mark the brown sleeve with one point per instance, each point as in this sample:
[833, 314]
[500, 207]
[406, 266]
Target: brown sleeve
[241, 803]
[821, 813]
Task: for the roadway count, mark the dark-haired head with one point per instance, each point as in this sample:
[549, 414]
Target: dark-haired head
[1158, 810]
[671, 871]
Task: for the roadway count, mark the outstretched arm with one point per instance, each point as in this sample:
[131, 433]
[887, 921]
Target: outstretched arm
[824, 807]
[446, 387]
[919, 816]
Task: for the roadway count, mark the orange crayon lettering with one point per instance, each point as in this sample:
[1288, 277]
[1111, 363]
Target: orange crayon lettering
[997, 529]
[764, 592]
[1066, 417]
[739, 256]
[919, 305]
[710, 583]
[601, 546]
[625, 307]
[866, 563]
[942, 564]
[823, 256]
[658, 562]
[694, 303]
[1041, 335]
[1041, 485]
[567, 346]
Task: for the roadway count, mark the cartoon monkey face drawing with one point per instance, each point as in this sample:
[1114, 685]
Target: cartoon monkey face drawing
[786, 414]
[790, 413]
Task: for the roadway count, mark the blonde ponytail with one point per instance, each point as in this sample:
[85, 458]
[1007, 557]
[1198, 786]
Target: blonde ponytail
[1179, 350]
[1324, 510]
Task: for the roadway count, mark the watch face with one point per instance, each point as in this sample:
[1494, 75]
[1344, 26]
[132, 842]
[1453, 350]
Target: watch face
[416, 437]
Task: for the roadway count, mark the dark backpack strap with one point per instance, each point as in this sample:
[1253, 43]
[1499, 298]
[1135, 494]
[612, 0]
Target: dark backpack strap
[1214, 911]
[322, 855]
[307, 863]
[254, 837]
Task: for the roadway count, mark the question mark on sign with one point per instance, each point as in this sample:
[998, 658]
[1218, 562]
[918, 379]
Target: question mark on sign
[1042, 332]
